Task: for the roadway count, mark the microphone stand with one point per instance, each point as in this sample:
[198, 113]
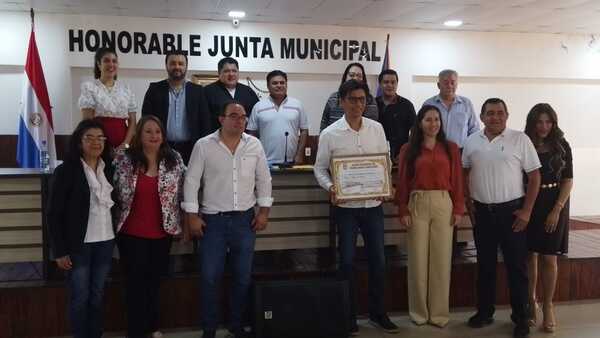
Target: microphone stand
[285, 163]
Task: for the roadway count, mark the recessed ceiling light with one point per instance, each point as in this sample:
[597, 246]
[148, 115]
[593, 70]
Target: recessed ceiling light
[453, 23]
[236, 14]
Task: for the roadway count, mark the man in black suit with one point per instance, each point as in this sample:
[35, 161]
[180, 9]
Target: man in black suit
[226, 89]
[180, 105]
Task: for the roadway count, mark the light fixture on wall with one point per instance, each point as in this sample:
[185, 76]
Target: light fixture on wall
[453, 23]
[235, 17]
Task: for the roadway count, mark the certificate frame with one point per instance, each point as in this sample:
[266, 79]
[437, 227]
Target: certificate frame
[204, 79]
[341, 166]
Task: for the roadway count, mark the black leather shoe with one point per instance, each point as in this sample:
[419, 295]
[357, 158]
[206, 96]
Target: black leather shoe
[478, 320]
[208, 334]
[384, 323]
[521, 331]
[354, 331]
[238, 334]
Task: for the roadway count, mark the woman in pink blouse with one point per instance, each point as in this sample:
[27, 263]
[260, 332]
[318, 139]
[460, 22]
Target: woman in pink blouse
[430, 202]
[148, 182]
[109, 100]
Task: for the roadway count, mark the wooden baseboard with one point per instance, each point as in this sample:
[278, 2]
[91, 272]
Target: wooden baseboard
[8, 144]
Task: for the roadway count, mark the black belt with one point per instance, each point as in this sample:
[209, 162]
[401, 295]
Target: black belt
[495, 206]
[232, 213]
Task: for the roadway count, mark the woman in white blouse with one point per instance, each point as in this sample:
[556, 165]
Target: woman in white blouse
[109, 100]
[81, 229]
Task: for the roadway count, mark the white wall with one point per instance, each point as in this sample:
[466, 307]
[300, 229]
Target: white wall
[521, 68]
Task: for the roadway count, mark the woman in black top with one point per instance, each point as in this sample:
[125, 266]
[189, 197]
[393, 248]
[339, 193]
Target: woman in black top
[548, 229]
[80, 223]
[333, 110]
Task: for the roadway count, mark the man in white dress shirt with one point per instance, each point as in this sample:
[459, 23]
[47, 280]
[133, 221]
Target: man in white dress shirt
[355, 135]
[230, 170]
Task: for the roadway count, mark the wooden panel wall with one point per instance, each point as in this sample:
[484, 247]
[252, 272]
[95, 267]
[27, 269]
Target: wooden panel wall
[40, 310]
[20, 219]
[299, 218]
[8, 144]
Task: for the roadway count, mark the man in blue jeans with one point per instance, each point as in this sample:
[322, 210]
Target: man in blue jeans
[229, 169]
[355, 135]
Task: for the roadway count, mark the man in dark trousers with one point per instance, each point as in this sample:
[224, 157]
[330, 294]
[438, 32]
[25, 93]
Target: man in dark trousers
[495, 161]
[180, 105]
[228, 88]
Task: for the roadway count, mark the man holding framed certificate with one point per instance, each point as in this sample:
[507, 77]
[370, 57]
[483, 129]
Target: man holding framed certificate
[354, 149]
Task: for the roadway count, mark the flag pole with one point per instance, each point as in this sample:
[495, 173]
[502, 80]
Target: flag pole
[32, 18]
[387, 44]
[385, 65]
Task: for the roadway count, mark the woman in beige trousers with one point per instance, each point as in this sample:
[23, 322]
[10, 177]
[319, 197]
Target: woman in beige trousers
[430, 202]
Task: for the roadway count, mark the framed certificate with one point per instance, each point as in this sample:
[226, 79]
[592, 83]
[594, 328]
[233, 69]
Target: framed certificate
[361, 177]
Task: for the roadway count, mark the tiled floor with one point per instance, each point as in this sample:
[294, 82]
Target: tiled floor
[576, 320]
[590, 219]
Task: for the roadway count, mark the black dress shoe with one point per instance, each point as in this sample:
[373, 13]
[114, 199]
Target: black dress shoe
[241, 333]
[521, 330]
[354, 330]
[479, 320]
[208, 334]
[384, 323]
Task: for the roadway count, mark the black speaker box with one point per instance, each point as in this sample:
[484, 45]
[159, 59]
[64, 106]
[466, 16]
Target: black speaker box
[315, 308]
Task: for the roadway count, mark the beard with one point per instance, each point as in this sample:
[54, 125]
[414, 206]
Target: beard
[176, 76]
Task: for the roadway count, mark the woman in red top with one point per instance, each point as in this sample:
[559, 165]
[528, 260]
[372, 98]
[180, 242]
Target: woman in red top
[430, 202]
[149, 185]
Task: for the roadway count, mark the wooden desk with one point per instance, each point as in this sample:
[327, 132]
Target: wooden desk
[21, 205]
[299, 217]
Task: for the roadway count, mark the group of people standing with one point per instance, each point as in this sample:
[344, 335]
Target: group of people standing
[136, 185]
[514, 186]
[188, 168]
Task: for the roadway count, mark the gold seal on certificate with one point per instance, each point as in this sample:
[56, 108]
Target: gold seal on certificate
[361, 177]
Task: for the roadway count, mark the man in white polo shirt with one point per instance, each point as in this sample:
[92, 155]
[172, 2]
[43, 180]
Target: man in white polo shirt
[495, 160]
[280, 122]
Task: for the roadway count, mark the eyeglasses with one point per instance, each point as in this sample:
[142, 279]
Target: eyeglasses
[356, 99]
[237, 117]
[94, 139]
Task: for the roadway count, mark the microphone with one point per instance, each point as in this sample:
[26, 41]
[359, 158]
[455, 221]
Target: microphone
[285, 152]
[285, 163]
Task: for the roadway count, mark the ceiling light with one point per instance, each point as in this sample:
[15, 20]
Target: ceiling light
[236, 14]
[453, 23]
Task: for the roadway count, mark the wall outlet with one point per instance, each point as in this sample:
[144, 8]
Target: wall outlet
[307, 151]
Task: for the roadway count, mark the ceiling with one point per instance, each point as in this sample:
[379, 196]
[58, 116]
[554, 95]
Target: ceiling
[531, 16]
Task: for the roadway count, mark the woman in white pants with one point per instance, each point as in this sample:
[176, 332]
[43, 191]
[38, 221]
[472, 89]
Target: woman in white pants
[430, 202]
